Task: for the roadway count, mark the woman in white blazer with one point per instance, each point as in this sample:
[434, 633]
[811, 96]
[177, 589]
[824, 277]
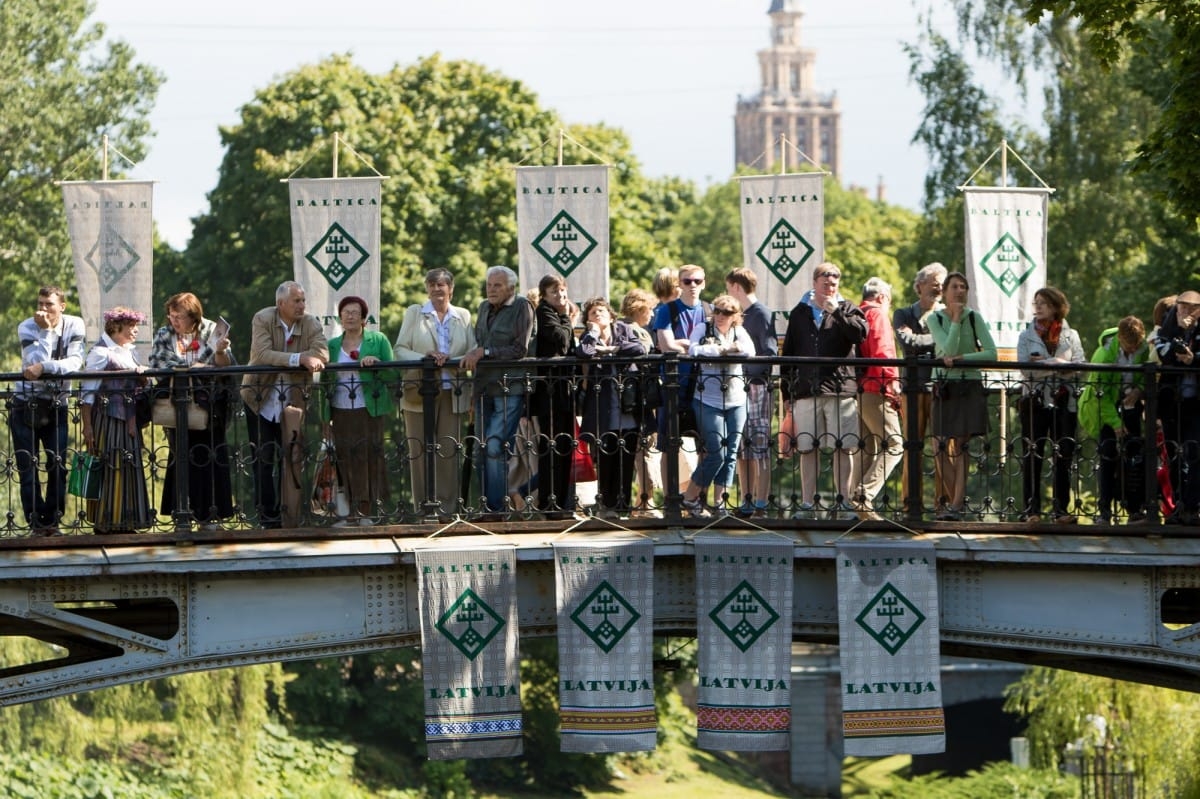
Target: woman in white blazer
[441, 331]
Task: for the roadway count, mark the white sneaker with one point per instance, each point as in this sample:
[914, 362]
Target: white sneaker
[695, 508]
[367, 521]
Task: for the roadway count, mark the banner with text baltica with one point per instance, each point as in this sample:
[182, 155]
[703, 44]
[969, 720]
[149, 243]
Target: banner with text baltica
[1006, 257]
[889, 639]
[783, 234]
[562, 227]
[111, 224]
[744, 630]
[605, 599]
[467, 599]
[336, 242]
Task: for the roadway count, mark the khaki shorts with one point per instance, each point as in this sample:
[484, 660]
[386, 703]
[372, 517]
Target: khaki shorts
[823, 422]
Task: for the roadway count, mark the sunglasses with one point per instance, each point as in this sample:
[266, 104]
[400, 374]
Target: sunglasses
[833, 275]
[692, 281]
[724, 311]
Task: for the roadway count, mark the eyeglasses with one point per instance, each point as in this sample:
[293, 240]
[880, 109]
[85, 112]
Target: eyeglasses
[724, 311]
[691, 281]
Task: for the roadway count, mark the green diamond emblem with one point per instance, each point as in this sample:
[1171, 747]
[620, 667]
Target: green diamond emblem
[890, 619]
[112, 257]
[470, 624]
[564, 244]
[744, 616]
[605, 616]
[1007, 264]
[337, 256]
[784, 251]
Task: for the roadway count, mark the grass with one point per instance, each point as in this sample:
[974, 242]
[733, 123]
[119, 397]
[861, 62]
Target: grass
[678, 772]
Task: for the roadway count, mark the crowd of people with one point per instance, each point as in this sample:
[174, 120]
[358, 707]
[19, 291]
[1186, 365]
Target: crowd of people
[539, 382]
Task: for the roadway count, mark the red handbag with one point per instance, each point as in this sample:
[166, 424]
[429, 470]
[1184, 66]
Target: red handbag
[583, 468]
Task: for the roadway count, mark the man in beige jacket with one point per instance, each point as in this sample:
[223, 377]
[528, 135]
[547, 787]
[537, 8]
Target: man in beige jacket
[286, 337]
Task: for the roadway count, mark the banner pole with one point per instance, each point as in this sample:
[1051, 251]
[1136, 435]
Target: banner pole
[561, 134]
[104, 157]
[1004, 163]
[337, 136]
[783, 155]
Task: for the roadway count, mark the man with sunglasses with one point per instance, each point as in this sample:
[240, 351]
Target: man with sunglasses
[676, 326]
[824, 324]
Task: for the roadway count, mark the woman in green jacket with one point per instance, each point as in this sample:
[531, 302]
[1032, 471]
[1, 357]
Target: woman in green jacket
[356, 407]
[960, 410]
[1111, 411]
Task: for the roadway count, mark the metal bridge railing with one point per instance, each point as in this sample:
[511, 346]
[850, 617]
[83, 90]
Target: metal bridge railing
[415, 453]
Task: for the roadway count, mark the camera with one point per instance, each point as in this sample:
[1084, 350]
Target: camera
[1178, 346]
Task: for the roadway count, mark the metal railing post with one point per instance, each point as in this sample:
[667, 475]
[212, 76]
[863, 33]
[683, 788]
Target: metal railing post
[672, 499]
[180, 396]
[914, 447]
[428, 391]
[1150, 507]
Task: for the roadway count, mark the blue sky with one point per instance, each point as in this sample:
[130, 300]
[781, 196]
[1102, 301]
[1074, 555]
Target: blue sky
[668, 72]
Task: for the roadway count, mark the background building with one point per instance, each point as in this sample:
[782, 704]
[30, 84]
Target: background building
[788, 103]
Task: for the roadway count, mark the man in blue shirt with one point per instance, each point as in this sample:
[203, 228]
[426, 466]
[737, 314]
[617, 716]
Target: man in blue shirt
[51, 344]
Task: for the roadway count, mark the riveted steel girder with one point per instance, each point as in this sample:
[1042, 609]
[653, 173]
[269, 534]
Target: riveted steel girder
[119, 613]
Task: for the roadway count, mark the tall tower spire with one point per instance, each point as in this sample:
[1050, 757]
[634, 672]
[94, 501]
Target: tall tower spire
[788, 103]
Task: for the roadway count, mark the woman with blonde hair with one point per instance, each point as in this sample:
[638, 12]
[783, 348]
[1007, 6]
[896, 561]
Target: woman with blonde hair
[720, 406]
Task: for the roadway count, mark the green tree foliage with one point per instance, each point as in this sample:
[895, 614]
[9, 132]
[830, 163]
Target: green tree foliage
[1141, 723]
[62, 90]
[1168, 31]
[1105, 229]
[448, 134]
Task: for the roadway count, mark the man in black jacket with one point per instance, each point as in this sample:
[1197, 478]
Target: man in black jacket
[824, 324]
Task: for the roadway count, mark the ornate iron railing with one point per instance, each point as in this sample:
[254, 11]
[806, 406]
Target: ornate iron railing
[414, 445]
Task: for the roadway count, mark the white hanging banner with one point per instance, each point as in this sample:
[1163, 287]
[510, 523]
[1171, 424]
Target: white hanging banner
[889, 638]
[1005, 257]
[111, 224]
[562, 227]
[335, 243]
[783, 234]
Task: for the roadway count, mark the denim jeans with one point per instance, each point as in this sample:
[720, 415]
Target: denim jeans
[42, 424]
[721, 431]
[498, 418]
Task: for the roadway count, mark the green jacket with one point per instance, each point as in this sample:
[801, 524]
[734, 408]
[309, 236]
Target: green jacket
[377, 384]
[1104, 388]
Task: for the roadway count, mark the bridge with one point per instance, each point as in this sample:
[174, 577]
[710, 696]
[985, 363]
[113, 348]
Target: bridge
[1119, 600]
[124, 608]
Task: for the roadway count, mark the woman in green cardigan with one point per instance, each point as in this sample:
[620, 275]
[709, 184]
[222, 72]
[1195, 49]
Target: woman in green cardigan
[356, 408]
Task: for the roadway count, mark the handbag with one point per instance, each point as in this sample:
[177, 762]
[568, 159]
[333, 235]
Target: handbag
[163, 414]
[87, 473]
[786, 441]
[583, 468]
[631, 394]
[328, 497]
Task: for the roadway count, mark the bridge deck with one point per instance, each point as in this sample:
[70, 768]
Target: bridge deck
[124, 608]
